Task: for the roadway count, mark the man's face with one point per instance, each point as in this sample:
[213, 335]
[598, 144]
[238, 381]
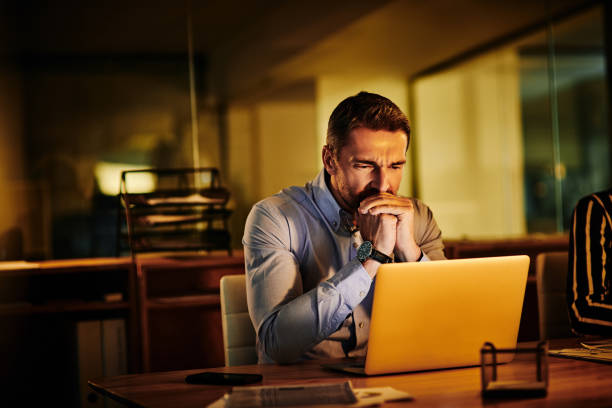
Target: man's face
[371, 162]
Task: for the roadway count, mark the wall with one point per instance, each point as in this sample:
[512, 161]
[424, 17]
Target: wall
[12, 186]
[272, 144]
[243, 176]
[470, 158]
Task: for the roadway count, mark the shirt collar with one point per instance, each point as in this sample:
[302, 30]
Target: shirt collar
[333, 213]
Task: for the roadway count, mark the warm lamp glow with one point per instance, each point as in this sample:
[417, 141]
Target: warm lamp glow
[108, 177]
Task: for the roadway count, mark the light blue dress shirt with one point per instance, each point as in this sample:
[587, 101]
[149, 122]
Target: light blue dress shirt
[308, 294]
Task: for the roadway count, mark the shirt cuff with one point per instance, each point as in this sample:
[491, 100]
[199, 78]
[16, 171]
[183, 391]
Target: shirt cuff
[352, 282]
[425, 258]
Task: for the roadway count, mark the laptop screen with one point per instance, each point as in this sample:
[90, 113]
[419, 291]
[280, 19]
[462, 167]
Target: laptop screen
[438, 314]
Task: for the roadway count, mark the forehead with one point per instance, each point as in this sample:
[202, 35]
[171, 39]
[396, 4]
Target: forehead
[364, 143]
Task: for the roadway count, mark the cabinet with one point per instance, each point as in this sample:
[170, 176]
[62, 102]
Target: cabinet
[170, 306]
[41, 307]
[179, 309]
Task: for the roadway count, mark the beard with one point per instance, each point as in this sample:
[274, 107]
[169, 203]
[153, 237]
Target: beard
[366, 193]
[348, 198]
[353, 200]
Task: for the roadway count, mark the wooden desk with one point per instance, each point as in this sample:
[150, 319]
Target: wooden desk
[572, 383]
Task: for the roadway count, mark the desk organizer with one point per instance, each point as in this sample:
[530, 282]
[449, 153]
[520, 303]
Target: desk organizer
[516, 373]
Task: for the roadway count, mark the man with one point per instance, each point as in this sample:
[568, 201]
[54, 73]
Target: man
[312, 252]
[590, 265]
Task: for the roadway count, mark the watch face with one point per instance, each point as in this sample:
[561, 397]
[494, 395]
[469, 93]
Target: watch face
[364, 251]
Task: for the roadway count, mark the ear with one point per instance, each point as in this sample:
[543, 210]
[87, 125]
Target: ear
[329, 161]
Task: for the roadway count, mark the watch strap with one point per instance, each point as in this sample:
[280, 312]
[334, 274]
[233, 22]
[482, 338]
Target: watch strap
[380, 257]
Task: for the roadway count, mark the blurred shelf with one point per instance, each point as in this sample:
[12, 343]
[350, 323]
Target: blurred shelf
[174, 302]
[23, 308]
[64, 266]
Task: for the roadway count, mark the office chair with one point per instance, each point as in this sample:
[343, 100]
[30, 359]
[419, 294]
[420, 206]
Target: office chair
[551, 276]
[238, 332]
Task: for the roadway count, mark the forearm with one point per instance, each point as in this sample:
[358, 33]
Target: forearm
[589, 303]
[422, 257]
[591, 311]
[408, 253]
[427, 235]
[297, 326]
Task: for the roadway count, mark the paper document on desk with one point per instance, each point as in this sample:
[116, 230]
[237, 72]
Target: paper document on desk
[328, 395]
[378, 395]
[600, 351]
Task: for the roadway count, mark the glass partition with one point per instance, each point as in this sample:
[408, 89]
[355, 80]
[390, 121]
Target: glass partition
[508, 141]
[564, 97]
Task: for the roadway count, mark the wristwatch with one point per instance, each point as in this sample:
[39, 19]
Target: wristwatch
[366, 250]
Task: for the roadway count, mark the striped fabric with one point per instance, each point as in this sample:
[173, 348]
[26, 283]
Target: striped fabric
[590, 265]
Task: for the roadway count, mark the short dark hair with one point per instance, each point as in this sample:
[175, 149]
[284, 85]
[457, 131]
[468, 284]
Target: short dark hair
[366, 110]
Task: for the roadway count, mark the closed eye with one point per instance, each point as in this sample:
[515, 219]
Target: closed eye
[364, 164]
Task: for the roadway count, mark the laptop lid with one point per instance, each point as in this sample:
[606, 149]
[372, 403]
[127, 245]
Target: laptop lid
[438, 314]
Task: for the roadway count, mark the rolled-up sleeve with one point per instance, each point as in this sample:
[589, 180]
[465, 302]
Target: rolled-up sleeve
[288, 321]
[427, 233]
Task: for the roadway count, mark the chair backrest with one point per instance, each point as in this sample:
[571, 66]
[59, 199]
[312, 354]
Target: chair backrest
[238, 332]
[551, 275]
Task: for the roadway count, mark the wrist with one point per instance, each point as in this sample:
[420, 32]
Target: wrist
[368, 251]
[420, 256]
[410, 254]
[384, 248]
[371, 267]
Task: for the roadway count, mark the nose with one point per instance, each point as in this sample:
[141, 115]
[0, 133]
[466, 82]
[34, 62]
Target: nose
[381, 180]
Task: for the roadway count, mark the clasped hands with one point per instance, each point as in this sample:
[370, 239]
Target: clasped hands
[387, 221]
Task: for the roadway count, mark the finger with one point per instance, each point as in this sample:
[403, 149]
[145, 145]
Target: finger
[388, 219]
[389, 209]
[383, 197]
[369, 221]
[371, 202]
[375, 197]
[392, 201]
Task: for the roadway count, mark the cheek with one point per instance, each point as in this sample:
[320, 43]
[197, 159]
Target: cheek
[395, 182]
[397, 178]
[357, 181]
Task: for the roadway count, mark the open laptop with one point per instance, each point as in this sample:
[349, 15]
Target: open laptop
[434, 315]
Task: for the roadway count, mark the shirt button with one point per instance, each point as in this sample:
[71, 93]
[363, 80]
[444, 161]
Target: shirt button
[361, 324]
[334, 224]
[362, 294]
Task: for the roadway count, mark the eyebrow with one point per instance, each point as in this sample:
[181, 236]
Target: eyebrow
[373, 163]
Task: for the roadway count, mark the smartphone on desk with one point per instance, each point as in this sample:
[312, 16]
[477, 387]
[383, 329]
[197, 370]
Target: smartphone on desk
[212, 378]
